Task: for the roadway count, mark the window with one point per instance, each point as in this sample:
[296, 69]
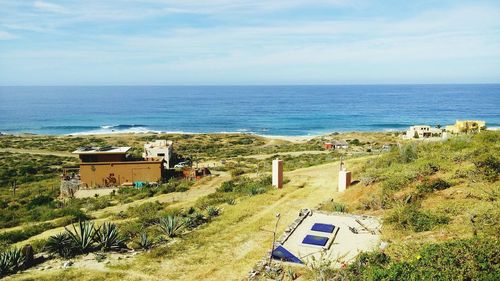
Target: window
[161, 154]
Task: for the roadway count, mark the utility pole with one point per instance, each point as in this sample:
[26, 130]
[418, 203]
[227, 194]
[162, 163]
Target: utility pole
[14, 187]
[274, 237]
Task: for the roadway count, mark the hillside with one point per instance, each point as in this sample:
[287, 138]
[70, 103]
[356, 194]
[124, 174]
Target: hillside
[438, 202]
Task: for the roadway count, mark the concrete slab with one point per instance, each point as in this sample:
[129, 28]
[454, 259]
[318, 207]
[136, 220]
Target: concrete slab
[343, 244]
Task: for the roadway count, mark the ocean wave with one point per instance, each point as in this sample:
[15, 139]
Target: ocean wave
[69, 127]
[387, 125]
[116, 129]
[122, 126]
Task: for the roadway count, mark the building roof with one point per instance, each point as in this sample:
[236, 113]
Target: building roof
[340, 142]
[102, 150]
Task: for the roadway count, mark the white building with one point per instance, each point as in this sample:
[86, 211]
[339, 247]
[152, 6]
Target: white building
[158, 149]
[423, 132]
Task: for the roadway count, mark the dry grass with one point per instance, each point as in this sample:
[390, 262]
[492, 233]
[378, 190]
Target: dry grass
[228, 247]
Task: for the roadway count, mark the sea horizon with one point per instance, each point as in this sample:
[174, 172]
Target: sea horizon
[267, 110]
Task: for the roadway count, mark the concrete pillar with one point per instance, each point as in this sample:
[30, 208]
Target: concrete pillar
[344, 180]
[278, 173]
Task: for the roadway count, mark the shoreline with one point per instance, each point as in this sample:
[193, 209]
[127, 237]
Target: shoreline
[292, 138]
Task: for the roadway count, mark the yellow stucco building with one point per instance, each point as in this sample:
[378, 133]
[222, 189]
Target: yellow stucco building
[466, 126]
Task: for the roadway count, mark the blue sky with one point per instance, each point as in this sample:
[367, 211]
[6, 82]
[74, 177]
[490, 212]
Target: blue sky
[248, 42]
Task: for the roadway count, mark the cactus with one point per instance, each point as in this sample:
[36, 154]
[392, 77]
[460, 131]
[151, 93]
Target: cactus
[171, 225]
[83, 236]
[108, 238]
[61, 244]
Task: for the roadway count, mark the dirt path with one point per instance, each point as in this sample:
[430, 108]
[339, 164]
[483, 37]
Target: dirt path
[233, 244]
[292, 153]
[39, 152]
[228, 247]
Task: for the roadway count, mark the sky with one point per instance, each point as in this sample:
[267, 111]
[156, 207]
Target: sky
[248, 42]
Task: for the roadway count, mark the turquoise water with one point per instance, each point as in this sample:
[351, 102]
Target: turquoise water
[264, 110]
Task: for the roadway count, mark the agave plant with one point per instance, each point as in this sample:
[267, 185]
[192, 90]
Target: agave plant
[194, 219]
[61, 244]
[144, 241]
[83, 236]
[11, 261]
[4, 264]
[171, 225]
[213, 211]
[108, 238]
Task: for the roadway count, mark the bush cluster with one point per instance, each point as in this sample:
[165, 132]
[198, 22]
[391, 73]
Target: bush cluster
[465, 259]
[412, 218]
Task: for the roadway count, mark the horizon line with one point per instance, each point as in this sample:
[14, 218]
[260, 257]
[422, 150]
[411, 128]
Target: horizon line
[255, 85]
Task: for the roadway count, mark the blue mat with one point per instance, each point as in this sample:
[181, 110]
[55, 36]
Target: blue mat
[315, 240]
[283, 254]
[323, 227]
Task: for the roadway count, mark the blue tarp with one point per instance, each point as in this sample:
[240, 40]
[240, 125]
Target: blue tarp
[323, 227]
[283, 254]
[315, 240]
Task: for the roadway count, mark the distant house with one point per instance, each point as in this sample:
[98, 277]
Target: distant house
[328, 145]
[335, 144]
[108, 166]
[423, 132]
[342, 144]
[466, 126]
[158, 150]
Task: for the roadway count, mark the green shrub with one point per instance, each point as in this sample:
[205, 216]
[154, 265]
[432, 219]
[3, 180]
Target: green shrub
[410, 217]
[147, 213]
[466, 259]
[334, 207]
[489, 166]
[227, 186]
[396, 181]
[25, 233]
[433, 185]
[408, 153]
[40, 201]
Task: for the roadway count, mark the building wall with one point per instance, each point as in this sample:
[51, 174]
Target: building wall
[116, 173]
[423, 132]
[155, 152]
[466, 126]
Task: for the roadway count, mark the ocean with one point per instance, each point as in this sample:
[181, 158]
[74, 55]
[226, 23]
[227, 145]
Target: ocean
[263, 110]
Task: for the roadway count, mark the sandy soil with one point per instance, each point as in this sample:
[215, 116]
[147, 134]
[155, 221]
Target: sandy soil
[39, 152]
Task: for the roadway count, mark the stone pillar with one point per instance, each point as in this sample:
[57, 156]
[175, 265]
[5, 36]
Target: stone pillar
[344, 180]
[278, 173]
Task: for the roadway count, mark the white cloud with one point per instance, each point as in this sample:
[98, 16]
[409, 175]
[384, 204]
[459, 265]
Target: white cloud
[4, 35]
[49, 7]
